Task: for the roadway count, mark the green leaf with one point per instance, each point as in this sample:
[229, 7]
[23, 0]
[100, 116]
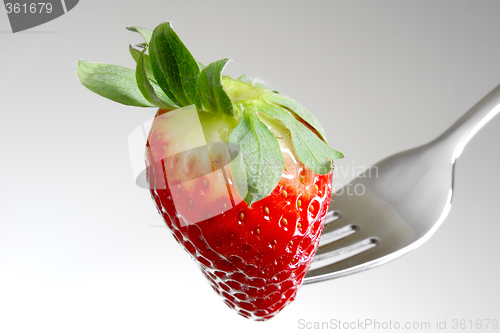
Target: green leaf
[263, 163]
[141, 45]
[298, 109]
[147, 62]
[116, 83]
[310, 149]
[211, 94]
[134, 52]
[145, 33]
[174, 68]
[156, 97]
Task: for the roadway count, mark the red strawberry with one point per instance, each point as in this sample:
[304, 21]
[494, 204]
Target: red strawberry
[255, 257]
[243, 179]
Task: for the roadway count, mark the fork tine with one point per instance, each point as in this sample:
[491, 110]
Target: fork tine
[365, 254]
[332, 215]
[354, 246]
[336, 234]
[329, 259]
[341, 245]
[336, 227]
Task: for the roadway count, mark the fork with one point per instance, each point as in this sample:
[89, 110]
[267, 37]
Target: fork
[397, 204]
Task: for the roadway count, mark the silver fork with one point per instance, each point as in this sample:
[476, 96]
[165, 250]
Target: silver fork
[397, 204]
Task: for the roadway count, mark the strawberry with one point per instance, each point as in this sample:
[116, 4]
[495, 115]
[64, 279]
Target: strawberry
[240, 173]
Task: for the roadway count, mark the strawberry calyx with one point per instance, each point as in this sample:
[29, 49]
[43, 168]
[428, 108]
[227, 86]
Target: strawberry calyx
[168, 77]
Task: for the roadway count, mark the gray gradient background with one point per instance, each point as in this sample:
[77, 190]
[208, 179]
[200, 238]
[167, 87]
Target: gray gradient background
[82, 248]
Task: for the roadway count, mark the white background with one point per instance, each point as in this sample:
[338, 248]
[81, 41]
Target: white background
[82, 248]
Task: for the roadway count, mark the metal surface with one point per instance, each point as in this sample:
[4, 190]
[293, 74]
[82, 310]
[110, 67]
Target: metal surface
[397, 204]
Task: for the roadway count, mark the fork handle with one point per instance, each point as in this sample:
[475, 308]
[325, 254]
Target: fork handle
[460, 133]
